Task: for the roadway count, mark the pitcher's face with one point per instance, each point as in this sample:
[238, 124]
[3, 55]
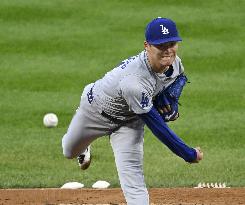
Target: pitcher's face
[161, 56]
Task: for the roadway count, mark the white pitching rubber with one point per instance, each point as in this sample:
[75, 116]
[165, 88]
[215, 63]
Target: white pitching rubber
[72, 185]
[101, 185]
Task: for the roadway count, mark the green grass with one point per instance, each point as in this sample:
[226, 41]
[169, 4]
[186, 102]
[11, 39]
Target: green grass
[49, 50]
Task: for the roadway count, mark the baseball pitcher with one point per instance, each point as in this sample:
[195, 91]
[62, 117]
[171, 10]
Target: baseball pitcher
[141, 90]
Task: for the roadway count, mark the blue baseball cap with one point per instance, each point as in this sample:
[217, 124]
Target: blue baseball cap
[161, 30]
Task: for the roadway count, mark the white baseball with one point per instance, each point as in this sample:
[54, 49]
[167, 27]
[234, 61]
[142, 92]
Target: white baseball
[50, 120]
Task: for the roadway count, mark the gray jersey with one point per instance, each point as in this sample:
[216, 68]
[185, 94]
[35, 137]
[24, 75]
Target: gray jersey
[128, 89]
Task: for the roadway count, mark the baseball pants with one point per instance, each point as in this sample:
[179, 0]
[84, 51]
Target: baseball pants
[126, 141]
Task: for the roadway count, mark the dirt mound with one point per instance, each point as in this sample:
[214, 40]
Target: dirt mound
[159, 196]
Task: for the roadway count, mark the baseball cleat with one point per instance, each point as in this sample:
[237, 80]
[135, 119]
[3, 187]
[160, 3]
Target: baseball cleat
[84, 159]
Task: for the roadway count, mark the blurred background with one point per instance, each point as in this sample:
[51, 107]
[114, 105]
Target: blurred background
[49, 50]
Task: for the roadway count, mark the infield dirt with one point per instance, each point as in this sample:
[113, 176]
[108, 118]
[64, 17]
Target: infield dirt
[159, 196]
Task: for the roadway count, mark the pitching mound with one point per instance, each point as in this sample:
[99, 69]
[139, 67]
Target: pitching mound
[175, 196]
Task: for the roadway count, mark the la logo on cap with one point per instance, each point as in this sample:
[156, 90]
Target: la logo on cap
[164, 30]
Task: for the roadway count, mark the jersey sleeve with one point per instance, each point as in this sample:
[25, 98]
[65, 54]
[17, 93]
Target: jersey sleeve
[137, 94]
[160, 129]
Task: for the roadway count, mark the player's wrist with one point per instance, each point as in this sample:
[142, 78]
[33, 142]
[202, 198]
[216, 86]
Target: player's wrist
[198, 155]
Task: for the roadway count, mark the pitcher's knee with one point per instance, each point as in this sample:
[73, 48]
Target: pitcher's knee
[68, 150]
[68, 154]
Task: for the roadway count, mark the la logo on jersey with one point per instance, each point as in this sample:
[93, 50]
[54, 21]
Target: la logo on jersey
[144, 100]
[164, 30]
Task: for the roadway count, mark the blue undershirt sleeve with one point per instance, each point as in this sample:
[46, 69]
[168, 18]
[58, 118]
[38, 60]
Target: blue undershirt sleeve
[161, 130]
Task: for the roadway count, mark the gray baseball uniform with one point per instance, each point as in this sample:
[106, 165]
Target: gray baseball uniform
[109, 107]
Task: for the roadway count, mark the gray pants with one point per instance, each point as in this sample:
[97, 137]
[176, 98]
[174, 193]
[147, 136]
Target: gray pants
[126, 141]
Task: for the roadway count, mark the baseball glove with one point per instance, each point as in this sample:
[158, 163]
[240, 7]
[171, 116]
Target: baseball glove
[167, 101]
